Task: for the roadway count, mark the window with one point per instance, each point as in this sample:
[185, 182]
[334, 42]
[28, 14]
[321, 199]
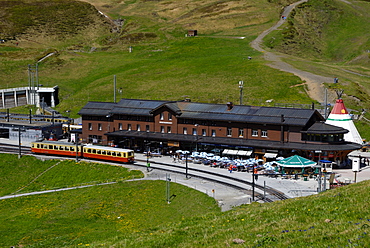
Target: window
[241, 132]
[129, 127]
[168, 129]
[213, 133]
[264, 133]
[138, 127]
[161, 116]
[169, 116]
[194, 131]
[147, 127]
[185, 130]
[90, 126]
[99, 127]
[229, 131]
[120, 126]
[254, 132]
[162, 129]
[204, 133]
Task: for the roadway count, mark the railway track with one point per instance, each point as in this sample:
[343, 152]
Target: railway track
[271, 193]
[263, 193]
[9, 148]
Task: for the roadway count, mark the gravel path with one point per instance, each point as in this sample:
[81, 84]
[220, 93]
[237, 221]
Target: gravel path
[314, 82]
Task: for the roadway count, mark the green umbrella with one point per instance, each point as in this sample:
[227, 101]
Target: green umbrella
[296, 162]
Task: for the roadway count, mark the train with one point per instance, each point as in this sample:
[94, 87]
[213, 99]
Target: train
[83, 151]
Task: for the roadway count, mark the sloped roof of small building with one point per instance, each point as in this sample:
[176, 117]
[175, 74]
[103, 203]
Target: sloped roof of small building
[323, 128]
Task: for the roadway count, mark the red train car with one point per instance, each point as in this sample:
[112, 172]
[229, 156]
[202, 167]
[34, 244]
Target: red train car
[56, 148]
[108, 153]
[88, 151]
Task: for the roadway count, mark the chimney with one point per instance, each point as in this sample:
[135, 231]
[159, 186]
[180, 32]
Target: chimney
[229, 105]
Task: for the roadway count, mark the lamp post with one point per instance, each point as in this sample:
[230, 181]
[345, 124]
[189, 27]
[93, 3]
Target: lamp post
[120, 90]
[76, 147]
[186, 165]
[20, 141]
[30, 116]
[319, 164]
[69, 125]
[241, 84]
[253, 184]
[196, 137]
[147, 158]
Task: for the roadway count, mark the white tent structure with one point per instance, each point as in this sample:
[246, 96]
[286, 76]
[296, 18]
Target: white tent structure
[340, 117]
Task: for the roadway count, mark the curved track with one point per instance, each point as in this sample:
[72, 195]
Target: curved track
[269, 196]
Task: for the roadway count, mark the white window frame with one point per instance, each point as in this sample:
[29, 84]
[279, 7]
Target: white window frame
[264, 133]
[229, 132]
[241, 132]
[254, 132]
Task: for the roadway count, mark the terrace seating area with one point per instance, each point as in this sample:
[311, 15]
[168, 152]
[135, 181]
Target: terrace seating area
[235, 162]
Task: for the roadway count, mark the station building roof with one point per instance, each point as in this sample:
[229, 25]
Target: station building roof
[206, 111]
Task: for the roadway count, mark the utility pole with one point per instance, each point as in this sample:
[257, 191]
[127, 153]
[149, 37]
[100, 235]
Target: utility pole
[115, 88]
[241, 85]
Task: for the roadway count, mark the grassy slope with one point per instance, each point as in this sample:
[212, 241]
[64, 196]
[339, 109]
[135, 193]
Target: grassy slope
[336, 218]
[136, 214]
[331, 38]
[85, 215]
[166, 65]
[165, 60]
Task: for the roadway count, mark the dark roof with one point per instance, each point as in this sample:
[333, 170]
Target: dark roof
[243, 113]
[97, 108]
[345, 146]
[206, 111]
[323, 128]
[136, 107]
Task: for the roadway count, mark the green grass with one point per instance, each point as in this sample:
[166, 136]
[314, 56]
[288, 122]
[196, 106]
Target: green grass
[337, 218]
[136, 214]
[165, 65]
[88, 215]
[38, 175]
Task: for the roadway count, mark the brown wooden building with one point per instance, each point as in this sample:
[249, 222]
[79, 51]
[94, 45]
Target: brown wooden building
[173, 125]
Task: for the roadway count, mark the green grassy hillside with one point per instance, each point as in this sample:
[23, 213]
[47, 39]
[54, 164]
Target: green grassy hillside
[87, 215]
[89, 49]
[136, 214]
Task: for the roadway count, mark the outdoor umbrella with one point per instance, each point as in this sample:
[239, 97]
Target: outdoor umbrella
[296, 162]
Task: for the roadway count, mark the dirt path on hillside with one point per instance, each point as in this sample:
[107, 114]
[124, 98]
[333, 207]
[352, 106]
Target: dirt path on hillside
[314, 82]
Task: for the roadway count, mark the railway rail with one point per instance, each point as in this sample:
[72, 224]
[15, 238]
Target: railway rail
[266, 193]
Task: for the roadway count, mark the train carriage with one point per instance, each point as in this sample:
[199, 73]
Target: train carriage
[108, 153]
[56, 148]
[88, 151]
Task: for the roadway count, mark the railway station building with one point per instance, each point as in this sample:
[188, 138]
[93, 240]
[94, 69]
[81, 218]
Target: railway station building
[262, 132]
